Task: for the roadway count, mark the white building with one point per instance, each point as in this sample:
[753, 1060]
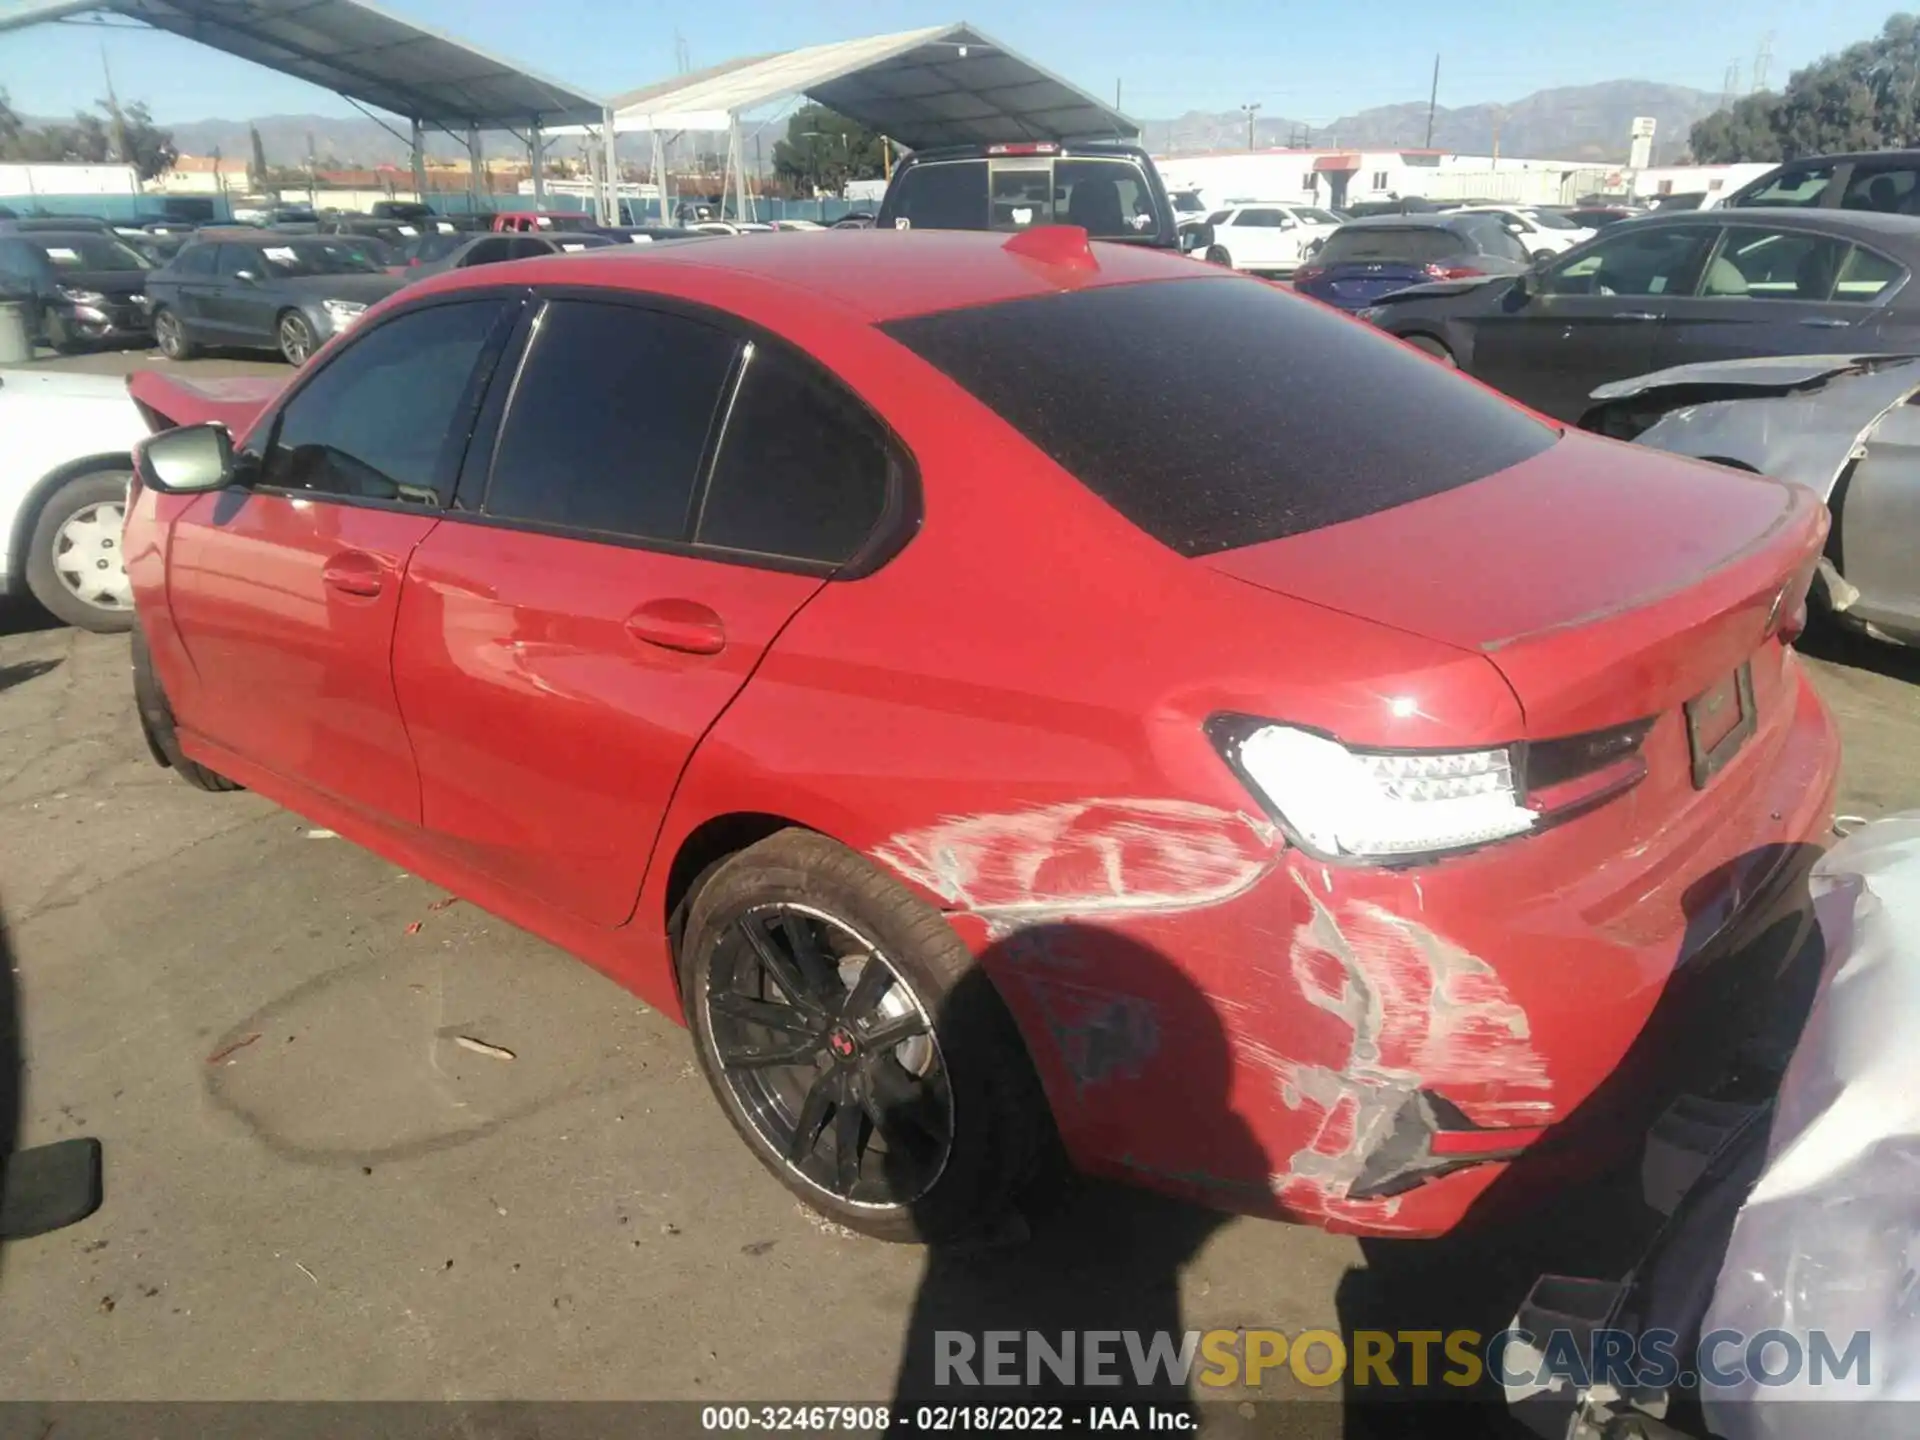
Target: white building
[1346, 177]
[1715, 182]
[29, 180]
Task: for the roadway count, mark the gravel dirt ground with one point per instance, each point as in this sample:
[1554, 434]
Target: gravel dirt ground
[314, 1190]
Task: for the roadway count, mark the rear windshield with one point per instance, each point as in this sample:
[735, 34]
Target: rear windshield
[90, 252]
[1108, 198]
[1217, 413]
[1409, 244]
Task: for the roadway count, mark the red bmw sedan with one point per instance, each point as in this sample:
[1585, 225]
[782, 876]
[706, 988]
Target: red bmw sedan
[1008, 693]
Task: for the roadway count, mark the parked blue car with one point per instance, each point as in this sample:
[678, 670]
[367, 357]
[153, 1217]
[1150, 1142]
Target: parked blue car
[1366, 259]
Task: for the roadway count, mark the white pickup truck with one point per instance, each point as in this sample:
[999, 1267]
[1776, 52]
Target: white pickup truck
[64, 447]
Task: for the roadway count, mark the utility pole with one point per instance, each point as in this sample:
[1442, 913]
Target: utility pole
[1116, 94]
[313, 182]
[1251, 110]
[1496, 140]
[1433, 100]
[113, 111]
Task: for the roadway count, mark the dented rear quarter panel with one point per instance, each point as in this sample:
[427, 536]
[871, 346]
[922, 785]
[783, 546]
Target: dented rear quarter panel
[1212, 1012]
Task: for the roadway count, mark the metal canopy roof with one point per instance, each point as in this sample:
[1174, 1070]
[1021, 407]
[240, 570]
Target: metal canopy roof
[351, 48]
[947, 85]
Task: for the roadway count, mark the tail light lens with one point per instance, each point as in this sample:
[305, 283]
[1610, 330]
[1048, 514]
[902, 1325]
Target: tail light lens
[1576, 771]
[1450, 272]
[1308, 272]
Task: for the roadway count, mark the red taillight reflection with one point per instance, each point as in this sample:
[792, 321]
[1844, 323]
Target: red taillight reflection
[1308, 272]
[1451, 272]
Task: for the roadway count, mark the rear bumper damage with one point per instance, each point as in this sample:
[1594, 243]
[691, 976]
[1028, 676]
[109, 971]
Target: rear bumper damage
[1392, 1052]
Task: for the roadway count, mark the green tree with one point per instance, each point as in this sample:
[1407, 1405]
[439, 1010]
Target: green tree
[1743, 131]
[10, 126]
[824, 150]
[257, 167]
[128, 137]
[1865, 97]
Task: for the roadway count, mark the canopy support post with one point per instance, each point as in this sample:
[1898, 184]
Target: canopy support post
[537, 158]
[419, 161]
[657, 172]
[610, 205]
[736, 155]
[476, 168]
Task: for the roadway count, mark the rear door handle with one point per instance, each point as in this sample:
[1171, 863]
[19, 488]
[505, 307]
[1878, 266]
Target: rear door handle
[1636, 315]
[683, 625]
[1825, 322]
[354, 572]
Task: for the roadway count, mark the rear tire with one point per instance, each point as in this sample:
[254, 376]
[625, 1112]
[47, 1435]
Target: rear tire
[156, 723]
[74, 562]
[1217, 255]
[927, 1133]
[170, 334]
[1427, 345]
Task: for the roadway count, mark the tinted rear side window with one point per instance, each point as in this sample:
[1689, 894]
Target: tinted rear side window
[802, 471]
[609, 419]
[945, 195]
[1408, 244]
[1218, 413]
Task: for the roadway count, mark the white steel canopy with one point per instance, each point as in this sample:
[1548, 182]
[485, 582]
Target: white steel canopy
[352, 48]
[946, 85]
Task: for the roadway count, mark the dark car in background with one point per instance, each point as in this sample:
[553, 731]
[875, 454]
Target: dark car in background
[1365, 260]
[1110, 190]
[84, 287]
[1599, 217]
[1883, 180]
[288, 293]
[1672, 290]
[494, 249]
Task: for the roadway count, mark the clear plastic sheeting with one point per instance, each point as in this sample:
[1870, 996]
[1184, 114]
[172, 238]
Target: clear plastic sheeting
[1828, 1241]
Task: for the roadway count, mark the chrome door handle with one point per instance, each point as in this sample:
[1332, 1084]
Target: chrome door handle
[1825, 322]
[1636, 315]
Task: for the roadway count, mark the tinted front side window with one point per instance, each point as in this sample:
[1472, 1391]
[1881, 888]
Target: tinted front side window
[378, 422]
[609, 421]
[1217, 413]
[1661, 261]
[802, 470]
[1892, 191]
[946, 195]
[196, 260]
[1795, 185]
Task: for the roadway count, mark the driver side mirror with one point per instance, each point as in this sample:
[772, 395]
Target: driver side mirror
[189, 460]
[1525, 285]
[247, 276]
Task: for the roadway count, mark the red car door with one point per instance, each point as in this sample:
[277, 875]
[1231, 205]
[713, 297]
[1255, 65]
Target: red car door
[561, 652]
[285, 587]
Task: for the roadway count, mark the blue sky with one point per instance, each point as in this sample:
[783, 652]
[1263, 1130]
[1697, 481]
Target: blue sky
[1312, 61]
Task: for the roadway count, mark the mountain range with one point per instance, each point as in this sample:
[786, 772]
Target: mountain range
[1583, 122]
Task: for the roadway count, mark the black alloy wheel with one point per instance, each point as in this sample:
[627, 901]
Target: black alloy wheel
[830, 1055]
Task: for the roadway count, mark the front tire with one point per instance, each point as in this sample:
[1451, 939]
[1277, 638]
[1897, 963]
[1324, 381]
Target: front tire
[170, 334]
[855, 1045]
[75, 567]
[156, 723]
[295, 338]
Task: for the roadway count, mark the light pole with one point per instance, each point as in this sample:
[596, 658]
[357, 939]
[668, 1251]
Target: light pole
[1252, 110]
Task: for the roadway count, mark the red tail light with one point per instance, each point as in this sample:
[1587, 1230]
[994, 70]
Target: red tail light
[1451, 272]
[1308, 272]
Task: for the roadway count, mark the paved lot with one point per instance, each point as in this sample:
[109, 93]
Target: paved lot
[314, 1191]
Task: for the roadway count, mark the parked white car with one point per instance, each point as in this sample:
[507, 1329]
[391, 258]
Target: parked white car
[1268, 237]
[1544, 233]
[64, 447]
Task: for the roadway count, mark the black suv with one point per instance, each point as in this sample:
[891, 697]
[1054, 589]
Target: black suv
[1110, 190]
[1884, 180]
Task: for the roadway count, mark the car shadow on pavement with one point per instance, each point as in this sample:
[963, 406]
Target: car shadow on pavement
[12, 675]
[1109, 1258]
[1826, 640]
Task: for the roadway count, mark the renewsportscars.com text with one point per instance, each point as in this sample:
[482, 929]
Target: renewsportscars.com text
[1384, 1359]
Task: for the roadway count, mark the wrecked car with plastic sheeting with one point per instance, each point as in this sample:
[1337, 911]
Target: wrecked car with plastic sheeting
[1776, 1300]
[1845, 426]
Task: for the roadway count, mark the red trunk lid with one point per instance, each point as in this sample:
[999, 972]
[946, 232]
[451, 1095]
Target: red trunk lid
[1608, 583]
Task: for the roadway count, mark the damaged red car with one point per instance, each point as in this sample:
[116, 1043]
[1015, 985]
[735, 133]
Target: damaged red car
[1010, 695]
